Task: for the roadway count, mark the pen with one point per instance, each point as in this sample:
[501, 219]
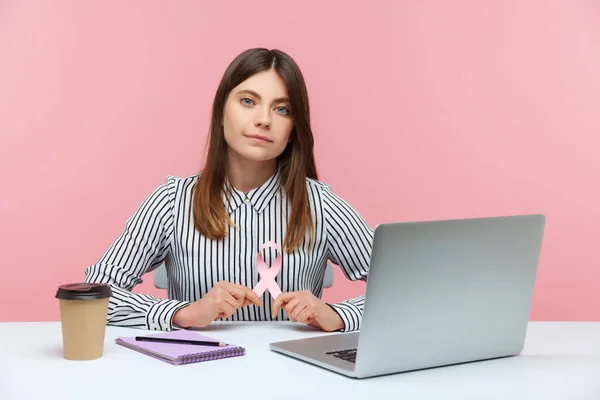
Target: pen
[180, 341]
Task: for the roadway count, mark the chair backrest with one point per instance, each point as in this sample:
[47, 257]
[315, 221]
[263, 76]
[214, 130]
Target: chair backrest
[161, 281]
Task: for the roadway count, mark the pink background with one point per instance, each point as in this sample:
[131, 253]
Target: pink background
[421, 110]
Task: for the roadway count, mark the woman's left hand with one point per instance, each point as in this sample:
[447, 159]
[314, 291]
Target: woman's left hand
[306, 308]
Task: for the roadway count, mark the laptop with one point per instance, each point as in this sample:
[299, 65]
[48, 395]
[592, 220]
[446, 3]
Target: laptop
[438, 293]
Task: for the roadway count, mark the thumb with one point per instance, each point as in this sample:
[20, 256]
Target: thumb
[247, 302]
[280, 301]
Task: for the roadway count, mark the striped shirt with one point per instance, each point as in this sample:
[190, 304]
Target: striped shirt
[162, 230]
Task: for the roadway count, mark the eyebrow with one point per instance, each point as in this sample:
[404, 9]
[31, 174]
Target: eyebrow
[253, 93]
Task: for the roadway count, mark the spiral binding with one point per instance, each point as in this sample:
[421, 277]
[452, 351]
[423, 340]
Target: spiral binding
[212, 355]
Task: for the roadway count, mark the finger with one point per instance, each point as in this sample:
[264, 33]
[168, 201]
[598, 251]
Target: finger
[306, 316]
[238, 294]
[292, 305]
[225, 311]
[232, 301]
[227, 307]
[297, 310]
[243, 295]
[282, 299]
[252, 297]
[247, 302]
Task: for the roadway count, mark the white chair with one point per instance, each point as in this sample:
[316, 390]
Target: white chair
[161, 281]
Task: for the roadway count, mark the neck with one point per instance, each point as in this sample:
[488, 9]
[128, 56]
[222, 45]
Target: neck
[246, 175]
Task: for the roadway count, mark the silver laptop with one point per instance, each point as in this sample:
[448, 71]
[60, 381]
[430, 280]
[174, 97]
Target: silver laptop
[438, 293]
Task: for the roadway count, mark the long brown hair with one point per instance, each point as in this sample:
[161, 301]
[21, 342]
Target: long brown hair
[295, 164]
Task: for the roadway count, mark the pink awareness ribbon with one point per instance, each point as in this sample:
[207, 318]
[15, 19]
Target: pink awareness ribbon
[267, 275]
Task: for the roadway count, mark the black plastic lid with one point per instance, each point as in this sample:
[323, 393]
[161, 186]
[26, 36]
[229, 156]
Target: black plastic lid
[83, 291]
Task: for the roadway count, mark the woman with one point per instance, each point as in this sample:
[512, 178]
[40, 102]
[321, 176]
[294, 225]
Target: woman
[257, 199]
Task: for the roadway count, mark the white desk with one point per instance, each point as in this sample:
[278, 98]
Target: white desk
[560, 361]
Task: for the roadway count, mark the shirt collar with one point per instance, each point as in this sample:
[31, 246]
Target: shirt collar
[259, 198]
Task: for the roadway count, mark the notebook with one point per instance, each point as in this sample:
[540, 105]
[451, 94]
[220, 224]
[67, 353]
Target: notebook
[178, 354]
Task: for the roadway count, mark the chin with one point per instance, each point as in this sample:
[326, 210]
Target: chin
[258, 156]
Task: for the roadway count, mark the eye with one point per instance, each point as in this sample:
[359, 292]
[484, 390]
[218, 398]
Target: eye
[247, 101]
[283, 110]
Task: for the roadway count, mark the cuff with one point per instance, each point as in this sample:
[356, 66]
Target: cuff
[350, 314]
[160, 314]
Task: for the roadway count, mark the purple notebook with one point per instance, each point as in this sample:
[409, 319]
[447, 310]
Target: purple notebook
[178, 354]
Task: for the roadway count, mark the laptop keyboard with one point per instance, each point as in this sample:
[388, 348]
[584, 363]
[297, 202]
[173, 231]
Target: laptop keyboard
[348, 355]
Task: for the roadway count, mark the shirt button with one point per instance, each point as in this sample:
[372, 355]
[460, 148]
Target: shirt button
[246, 200]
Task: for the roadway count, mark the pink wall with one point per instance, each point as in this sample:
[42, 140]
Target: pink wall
[422, 110]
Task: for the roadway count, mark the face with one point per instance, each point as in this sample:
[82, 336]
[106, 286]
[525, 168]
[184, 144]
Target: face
[256, 120]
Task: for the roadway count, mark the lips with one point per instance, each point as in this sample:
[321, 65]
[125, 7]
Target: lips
[259, 137]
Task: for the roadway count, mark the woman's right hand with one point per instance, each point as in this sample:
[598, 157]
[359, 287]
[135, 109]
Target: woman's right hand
[220, 302]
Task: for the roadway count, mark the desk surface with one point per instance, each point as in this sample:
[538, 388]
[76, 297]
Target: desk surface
[560, 361]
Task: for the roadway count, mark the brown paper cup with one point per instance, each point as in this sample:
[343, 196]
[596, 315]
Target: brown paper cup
[83, 311]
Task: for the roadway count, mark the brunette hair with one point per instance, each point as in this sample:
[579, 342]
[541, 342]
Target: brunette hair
[295, 164]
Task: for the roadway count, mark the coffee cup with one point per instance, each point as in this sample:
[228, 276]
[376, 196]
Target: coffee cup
[83, 312]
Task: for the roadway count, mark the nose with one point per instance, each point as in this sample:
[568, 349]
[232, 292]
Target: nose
[262, 118]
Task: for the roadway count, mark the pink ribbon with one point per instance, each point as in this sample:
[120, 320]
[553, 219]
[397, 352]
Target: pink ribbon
[267, 281]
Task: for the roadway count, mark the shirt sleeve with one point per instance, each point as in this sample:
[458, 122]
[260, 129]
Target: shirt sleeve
[141, 247]
[349, 245]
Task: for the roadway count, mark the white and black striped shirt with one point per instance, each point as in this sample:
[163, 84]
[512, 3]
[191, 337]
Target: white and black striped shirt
[162, 229]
